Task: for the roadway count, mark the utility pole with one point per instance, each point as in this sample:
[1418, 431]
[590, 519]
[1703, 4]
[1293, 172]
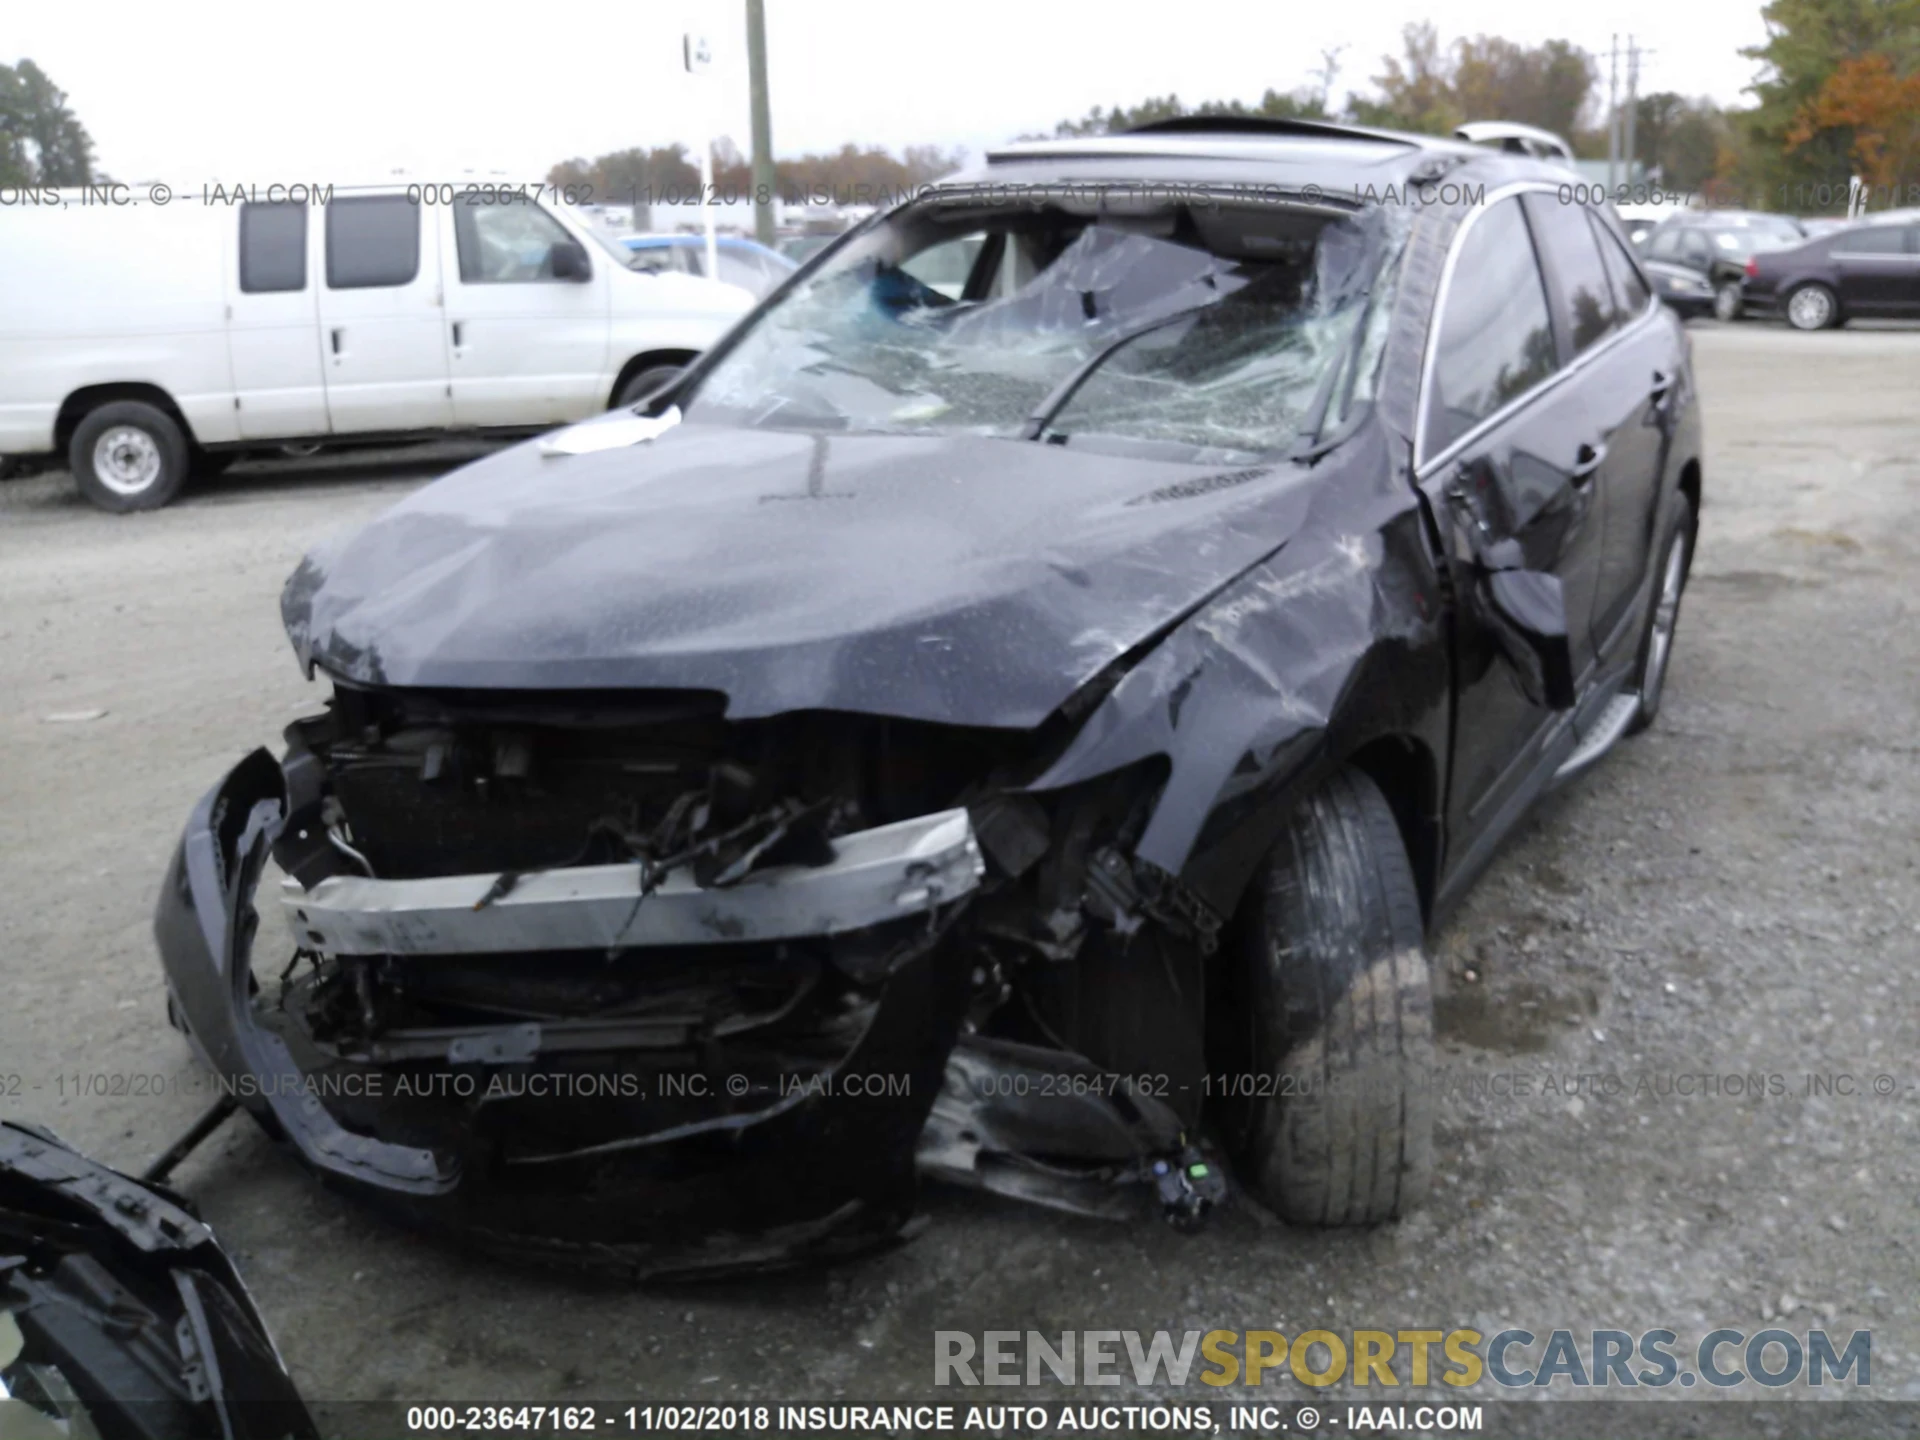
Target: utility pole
[1329, 67]
[762, 122]
[1633, 100]
[1613, 117]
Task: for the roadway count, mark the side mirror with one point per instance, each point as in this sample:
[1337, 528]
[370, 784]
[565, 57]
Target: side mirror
[568, 261]
[1528, 614]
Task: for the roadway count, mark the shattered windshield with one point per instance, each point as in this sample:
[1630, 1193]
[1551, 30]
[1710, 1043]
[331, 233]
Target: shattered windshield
[1201, 325]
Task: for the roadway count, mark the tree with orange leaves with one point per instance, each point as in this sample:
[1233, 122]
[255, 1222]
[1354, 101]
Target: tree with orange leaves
[1881, 107]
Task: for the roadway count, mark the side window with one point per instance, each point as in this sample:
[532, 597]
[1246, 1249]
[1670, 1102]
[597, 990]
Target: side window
[273, 248]
[946, 266]
[372, 240]
[1665, 246]
[505, 241]
[1694, 249]
[742, 270]
[1566, 241]
[1630, 292]
[1495, 339]
[1872, 240]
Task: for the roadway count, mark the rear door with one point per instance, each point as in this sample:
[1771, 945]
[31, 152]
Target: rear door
[279, 381]
[1624, 373]
[1874, 270]
[524, 347]
[1506, 462]
[380, 316]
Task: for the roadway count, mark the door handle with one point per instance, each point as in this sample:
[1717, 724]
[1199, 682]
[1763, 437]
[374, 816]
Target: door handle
[1586, 460]
[457, 332]
[337, 333]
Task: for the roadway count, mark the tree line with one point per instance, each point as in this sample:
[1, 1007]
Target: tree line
[41, 142]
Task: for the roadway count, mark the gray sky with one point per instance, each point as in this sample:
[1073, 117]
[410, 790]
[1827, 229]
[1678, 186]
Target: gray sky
[214, 89]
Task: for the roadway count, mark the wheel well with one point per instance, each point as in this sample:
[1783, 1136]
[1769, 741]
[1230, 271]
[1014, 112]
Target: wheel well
[1407, 775]
[642, 362]
[75, 407]
[1690, 485]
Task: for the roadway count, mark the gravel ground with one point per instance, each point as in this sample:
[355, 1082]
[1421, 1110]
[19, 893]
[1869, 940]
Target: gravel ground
[1733, 894]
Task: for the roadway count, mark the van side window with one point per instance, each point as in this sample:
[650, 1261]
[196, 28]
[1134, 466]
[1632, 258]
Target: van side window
[372, 240]
[273, 248]
[506, 241]
[1496, 341]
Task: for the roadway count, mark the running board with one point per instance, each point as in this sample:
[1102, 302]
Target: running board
[1607, 729]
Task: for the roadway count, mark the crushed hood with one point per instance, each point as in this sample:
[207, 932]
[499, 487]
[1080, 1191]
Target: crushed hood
[971, 580]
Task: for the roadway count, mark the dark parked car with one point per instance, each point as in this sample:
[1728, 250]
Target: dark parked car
[1864, 271]
[1698, 260]
[1022, 737]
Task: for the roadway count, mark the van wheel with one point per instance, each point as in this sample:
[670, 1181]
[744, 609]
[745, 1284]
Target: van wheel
[654, 377]
[128, 455]
[1326, 1032]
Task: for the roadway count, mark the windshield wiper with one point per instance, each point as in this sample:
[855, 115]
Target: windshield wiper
[1058, 397]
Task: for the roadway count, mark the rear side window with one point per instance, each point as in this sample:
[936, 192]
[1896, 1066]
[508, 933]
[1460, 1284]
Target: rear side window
[372, 240]
[1630, 292]
[1585, 299]
[1496, 341]
[1872, 240]
[273, 248]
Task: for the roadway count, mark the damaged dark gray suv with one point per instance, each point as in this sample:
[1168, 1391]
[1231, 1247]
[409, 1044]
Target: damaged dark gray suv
[1010, 713]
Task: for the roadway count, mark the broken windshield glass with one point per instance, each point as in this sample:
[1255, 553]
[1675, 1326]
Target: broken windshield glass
[1206, 325]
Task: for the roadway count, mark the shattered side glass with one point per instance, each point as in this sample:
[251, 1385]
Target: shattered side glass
[1210, 326]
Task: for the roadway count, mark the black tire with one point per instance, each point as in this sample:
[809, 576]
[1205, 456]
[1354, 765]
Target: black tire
[1812, 306]
[645, 382]
[1328, 1012]
[128, 455]
[1727, 302]
[1670, 584]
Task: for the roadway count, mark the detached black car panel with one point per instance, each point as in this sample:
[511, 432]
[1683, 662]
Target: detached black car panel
[1011, 713]
[120, 1315]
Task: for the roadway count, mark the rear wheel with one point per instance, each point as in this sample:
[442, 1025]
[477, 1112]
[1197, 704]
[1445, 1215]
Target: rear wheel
[1812, 307]
[1325, 1033]
[128, 455]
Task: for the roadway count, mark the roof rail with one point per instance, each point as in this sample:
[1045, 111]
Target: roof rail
[1519, 139]
[1265, 125]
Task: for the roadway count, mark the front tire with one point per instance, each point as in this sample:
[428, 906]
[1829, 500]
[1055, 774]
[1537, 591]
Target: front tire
[1328, 1016]
[1812, 307]
[1727, 302]
[1656, 646]
[128, 455]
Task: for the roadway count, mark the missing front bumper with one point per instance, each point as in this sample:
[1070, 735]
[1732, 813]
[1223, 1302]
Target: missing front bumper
[876, 876]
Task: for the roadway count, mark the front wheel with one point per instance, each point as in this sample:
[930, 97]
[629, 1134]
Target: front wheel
[1324, 1033]
[1656, 648]
[128, 455]
[1727, 302]
[1812, 307]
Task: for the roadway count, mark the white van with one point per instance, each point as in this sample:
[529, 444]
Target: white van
[145, 341]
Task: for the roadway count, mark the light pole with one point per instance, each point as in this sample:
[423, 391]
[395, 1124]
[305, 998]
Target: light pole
[762, 122]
